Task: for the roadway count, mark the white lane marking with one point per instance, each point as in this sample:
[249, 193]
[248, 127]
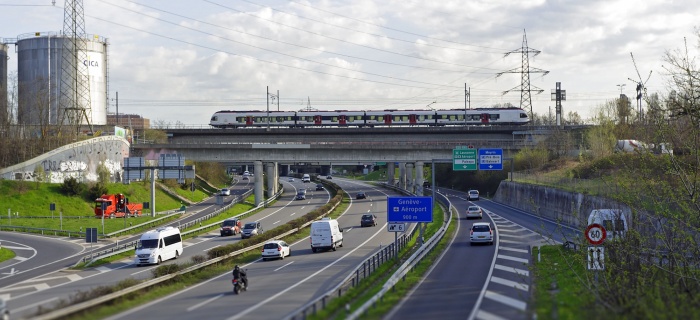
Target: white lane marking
[71, 277]
[513, 249]
[272, 298]
[35, 252]
[204, 302]
[516, 259]
[515, 303]
[17, 248]
[103, 269]
[509, 283]
[11, 273]
[20, 258]
[276, 222]
[284, 266]
[37, 287]
[483, 315]
[29, 306]
[514, 270]
[293, 213]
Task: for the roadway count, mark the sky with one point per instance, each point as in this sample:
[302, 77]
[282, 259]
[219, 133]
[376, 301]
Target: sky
[177, 62]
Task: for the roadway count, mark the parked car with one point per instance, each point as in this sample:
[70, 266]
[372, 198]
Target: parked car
[291, 179]
[329, 177]
[251, 229]
[244, 178]
[230, 227]
[361, 195]
[275, 249]
[473, 195]
[225, 192]
[368, 220]
[474, 212]
[481, 232]
[319, 187]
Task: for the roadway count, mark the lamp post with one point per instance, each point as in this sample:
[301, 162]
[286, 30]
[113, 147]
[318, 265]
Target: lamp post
[622, 87]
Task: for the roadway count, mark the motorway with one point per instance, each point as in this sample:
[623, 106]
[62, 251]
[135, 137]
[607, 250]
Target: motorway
[279, 287]
[466, 282]
[482, 281]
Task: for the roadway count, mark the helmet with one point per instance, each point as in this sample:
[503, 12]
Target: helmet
[236, 267]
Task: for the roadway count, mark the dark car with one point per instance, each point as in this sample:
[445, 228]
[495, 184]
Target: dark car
[301, 194]
[361, 195]
[426, 184]
[329, 177]
[368, 220]
[319, 187]
[230, 227]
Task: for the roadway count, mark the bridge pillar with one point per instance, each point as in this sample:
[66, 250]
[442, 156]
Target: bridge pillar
[419, 178]
[270, 173]
[390, 179]
[402, 175]
[259, 195]
[409, 178]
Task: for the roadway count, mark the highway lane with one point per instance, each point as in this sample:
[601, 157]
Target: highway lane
[281, 286]
[481, 282]
[50, 287]
[31, 254]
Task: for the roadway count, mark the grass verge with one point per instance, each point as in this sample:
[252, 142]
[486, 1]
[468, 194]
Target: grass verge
[558, 292]
[6, 254]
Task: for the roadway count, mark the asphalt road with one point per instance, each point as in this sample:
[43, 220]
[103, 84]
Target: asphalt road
[481, 281]
[279, 287]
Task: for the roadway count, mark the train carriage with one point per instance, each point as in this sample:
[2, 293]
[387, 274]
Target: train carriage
[383, 118]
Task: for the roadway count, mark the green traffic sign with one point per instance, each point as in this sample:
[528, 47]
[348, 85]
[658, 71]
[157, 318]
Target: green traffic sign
[464, 159]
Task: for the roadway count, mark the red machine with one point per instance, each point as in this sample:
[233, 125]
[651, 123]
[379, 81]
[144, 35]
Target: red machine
[116, 206]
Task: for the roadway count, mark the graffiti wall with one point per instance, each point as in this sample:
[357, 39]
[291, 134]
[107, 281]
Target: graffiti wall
[80, 160]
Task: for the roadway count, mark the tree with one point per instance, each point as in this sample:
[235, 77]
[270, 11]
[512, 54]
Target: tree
[601, 139]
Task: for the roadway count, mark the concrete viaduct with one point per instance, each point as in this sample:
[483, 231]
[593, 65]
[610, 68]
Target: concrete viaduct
[274, 149]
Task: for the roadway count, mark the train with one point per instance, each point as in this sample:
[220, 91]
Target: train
[382, 118]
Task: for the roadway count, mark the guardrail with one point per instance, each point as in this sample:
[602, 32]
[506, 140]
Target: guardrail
[409, 264]
[362, 271]
[64, 312]
[123, 247]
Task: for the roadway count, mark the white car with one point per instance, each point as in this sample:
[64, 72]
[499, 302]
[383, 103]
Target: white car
[481, 232]
[275, 249]
[225, 192]
[291, 179]
[473, 195]
[474, 212]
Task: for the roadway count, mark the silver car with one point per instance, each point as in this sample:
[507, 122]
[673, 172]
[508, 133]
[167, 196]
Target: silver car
[474, 212]
[251, 229]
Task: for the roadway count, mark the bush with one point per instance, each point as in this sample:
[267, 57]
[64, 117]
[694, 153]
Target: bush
[96, 191]
[166, 269]
[72, 187]
[197, 259]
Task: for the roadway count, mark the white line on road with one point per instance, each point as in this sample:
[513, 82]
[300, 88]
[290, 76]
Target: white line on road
[204, 302]
[509, 283]
[276, 222]
[515, 303]
[29, 306]
[284, 266]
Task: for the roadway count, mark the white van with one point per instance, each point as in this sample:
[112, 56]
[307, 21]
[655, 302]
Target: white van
[306, 178]
[613, 220]
[325, 234]
[158, 245]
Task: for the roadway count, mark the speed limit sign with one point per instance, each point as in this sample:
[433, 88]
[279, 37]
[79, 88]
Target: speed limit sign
[595, 234]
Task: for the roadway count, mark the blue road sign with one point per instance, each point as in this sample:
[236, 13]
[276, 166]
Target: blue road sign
[409, 209]
[490, 159]
[90, 235]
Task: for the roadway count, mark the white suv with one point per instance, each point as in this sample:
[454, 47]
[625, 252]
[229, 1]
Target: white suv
[473, 195]
[481, 232]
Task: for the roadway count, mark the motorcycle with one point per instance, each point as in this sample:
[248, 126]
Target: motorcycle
[237, 285]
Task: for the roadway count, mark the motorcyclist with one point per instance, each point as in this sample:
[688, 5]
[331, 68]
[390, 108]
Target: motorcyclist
[239, 273]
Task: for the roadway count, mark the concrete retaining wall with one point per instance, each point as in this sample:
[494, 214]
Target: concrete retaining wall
[570, 208]
[79, 160]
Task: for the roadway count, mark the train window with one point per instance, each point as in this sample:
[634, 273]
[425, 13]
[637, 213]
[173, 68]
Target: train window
[523, 115]
[380, 118]
[494, 116]
[214, 118]
[334, 119]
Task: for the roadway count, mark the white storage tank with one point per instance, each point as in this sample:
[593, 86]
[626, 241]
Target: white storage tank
[39, 58]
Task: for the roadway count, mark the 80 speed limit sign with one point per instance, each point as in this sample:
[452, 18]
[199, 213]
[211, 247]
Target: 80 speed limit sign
[595, 234]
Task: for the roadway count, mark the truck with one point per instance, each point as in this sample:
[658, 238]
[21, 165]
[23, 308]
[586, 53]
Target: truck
[116, 206]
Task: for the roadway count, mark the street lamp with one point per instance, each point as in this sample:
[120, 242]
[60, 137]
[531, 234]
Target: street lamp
[622, 87]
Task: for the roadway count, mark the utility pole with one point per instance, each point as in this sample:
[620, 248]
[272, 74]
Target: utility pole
[559, 95]
[467, 102]
[525, 88]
